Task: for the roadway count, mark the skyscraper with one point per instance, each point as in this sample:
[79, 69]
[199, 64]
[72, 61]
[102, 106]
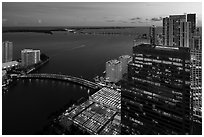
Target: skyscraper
[192, 19]
[177, 31]
[7, 51]
[157, 97]
[185, 34]
[30, 57]
[174, 29]
[113, 71]
[196, 78]
[165, 31]
[152, 35]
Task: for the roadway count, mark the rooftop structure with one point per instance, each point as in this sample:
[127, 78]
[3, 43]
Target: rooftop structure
[108, 97]
[98, 115]
[115, 61]
[141, 41]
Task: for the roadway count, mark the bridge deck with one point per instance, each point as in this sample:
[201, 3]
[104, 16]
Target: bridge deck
[62, 77]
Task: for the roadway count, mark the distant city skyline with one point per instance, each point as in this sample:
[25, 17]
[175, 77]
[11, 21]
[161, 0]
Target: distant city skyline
[94, 13]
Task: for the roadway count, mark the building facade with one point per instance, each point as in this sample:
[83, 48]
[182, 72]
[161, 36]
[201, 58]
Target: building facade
[140, 41]
[185, 34]
[174, 29]
[9, 65]
[192, 19]
[177, 30]
[113, 71]
[30, 57]
[152, 35]
[156, 99]
[125, 59]
[7, 51]
[165, 31]
[196, 77]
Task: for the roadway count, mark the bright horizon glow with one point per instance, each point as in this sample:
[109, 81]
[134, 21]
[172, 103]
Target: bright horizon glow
[94, 13]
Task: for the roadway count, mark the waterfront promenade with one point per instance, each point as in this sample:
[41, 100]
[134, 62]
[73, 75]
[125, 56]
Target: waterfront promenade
[68, 78]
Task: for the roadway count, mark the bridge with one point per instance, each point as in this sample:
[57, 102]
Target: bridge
[68, 78]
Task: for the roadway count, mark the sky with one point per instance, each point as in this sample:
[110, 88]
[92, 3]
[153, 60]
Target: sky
[95, 13]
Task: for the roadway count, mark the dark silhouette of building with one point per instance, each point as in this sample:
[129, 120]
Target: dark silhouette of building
[156, 98]
[165, 31]
[152, 35]
[192, 19]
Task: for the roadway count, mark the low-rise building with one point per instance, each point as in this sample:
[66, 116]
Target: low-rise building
[9, 65]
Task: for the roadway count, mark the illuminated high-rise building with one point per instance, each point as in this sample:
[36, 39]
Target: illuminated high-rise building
[196, 78]
[7, 51]
[156, 99]
[113, 71]
[30, 57]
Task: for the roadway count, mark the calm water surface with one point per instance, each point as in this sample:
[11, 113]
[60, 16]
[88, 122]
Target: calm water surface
[78, 55]
[27, 105]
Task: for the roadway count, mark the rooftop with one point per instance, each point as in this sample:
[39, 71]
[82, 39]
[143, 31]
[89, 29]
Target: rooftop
[177, 16]
[115, 61]
[7, 42]
[29, 50]
[159, 47]
[9, 64]
[125, 56]
[96, 115]
[166, 48]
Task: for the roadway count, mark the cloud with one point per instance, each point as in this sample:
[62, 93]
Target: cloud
[156, 19]
[141, 22]
[110, 20]
[124, 21]
[136, 18]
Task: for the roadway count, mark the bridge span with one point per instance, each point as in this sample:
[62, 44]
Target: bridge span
[68, 78]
